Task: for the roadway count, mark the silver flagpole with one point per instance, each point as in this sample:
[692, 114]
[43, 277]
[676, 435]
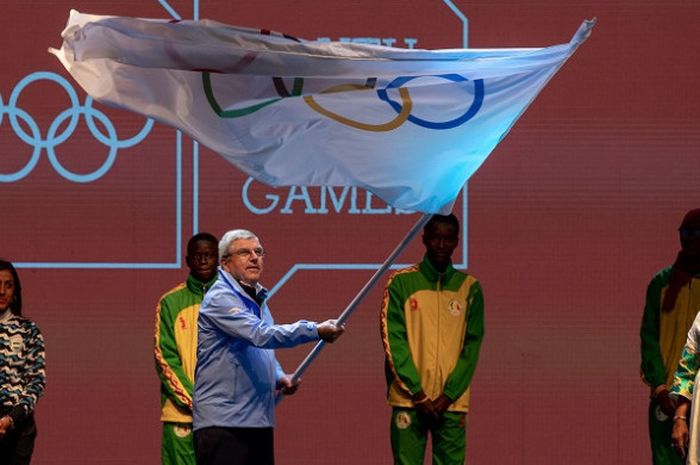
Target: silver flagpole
[362, 294]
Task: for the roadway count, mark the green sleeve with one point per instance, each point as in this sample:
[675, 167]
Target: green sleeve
[398, 353]
[459, 380]
[652, 368]
[174, 382]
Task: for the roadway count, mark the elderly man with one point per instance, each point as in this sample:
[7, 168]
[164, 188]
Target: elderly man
[237, 374]
[432, 325]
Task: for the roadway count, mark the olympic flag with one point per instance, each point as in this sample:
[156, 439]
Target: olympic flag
[411, 126]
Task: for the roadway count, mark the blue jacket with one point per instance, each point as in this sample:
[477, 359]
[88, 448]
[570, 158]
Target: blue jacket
[236, 370]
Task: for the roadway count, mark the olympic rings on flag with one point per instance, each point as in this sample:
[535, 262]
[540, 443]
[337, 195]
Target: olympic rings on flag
[54, 138]
[469, 114]
[403, 108]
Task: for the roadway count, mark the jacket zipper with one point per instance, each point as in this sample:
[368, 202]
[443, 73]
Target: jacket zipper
[437, 335]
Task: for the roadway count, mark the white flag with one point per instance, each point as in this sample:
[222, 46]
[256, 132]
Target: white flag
[411, 126]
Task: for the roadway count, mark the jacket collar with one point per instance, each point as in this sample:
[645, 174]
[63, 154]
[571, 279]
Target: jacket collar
[6, 315]
[236, 287]
[197, 287]
[430, 272]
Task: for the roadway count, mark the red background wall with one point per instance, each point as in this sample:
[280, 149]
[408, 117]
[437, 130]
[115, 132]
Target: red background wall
[567, 221]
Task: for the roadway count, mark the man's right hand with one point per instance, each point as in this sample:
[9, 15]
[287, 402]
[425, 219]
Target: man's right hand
[427, 411]
[328, 331]
[666, 402]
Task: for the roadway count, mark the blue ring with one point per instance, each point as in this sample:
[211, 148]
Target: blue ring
[37, 76]
[98, 173]
[469, 114]
[90, 112]
[36, 154]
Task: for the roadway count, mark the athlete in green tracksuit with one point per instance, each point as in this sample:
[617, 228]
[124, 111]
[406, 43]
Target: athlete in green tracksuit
[432, 325]
[176, 348]
[672, 302]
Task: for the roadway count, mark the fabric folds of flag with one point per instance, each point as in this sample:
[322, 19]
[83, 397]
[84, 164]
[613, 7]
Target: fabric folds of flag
[411, 126]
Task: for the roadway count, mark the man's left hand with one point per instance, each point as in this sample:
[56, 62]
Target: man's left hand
[679, 437]
[442, 403]
[285, 385]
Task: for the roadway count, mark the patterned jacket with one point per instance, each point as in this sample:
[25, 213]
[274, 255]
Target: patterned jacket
[22, 366]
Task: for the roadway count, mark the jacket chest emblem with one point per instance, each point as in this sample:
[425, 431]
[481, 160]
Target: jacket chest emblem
[455, 308]
[183, 323]
[16, 344]
[413, 303]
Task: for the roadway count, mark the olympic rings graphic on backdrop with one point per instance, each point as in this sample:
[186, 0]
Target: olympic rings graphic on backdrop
[54, 138]
[402, 109]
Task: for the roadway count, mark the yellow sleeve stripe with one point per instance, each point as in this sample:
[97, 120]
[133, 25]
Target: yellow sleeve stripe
[172, 379]
[385, 329]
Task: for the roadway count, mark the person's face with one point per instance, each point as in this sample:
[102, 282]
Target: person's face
[440, 241]
[7, 289]
[690, 241]
[202, 259]
[245, 260]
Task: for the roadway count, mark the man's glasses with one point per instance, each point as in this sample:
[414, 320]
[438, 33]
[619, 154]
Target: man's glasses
[246, 253]
[687, 232]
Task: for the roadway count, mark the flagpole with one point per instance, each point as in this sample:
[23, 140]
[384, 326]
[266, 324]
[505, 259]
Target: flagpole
[363, 293]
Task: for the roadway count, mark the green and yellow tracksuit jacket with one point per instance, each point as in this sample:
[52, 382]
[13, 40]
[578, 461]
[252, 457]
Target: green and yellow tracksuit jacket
[663, 334]
[432, 325]
[176, 347]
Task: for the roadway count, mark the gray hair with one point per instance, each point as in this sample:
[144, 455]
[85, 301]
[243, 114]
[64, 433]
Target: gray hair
[229, 237]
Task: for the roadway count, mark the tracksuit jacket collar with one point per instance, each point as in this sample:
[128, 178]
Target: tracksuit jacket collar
[198, 287]
[430, 272]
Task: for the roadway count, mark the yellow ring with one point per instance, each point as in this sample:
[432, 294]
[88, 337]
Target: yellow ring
[407, 106]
